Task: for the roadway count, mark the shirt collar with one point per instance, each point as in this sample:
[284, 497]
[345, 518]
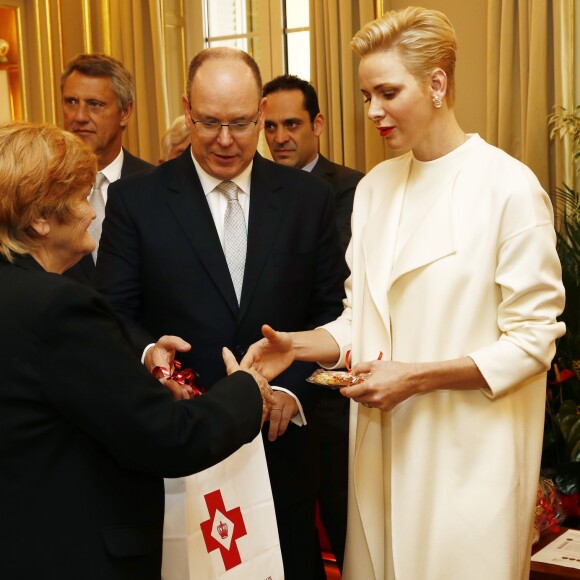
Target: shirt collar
[310, 166]
[113, 171]
[209, 182]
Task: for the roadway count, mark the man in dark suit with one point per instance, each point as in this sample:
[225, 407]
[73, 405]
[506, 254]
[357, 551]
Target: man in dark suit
[293, 125]
[98, 95]
[166, 262]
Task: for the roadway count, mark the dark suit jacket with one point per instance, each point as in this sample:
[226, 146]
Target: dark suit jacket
[86, 435]
[333, 410]
[162, 267]
[84, 270]
[343, 181]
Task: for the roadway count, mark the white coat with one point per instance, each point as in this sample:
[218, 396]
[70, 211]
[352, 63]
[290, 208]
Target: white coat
[444, 486]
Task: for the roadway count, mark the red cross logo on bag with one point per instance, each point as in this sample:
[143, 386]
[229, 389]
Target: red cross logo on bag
[223, 529]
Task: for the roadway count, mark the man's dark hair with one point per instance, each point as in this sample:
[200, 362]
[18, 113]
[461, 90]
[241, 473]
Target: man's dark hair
[291, 83]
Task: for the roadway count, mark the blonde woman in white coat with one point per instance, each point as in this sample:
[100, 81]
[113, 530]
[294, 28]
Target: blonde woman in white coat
[455, 279]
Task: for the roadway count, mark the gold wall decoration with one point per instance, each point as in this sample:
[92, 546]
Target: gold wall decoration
[147, 36]
[4, 48]
[380, 8]
[11, 79]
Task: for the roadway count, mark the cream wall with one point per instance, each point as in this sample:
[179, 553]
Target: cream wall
[55, 30]
[50, 32]
[469, 20]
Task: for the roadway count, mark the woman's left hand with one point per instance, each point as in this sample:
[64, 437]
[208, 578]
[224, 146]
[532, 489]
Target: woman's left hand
[389, 384]
[162, 354]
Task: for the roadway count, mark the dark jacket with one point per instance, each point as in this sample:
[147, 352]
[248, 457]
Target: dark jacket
[87, 434]
[343, 181]
[84, 270]
[162, 267]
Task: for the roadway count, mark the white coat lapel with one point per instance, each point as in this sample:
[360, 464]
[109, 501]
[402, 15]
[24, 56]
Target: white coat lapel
[431, 240]
[378, 246]
[380, 234]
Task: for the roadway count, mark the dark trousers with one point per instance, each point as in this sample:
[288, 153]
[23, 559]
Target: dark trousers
[332, 424]
[299, 536]
[293, 465]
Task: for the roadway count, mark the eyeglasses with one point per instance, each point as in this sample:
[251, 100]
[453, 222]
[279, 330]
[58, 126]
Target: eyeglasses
[213, 128]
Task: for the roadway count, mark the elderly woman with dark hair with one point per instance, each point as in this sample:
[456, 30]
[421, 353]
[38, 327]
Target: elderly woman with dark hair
[456, 281]
[84, 445]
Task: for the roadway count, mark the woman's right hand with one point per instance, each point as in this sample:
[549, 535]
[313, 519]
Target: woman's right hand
[271, 355]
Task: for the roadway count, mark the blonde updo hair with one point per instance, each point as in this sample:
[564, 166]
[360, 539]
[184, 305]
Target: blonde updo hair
[425, 40]
[42, 169]
[176, 134]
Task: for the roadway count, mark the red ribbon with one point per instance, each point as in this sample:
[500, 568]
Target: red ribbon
[549, 513]
[181, 377]
[347, 359]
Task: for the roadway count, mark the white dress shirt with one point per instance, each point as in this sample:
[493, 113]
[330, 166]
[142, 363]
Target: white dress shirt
[112, 172]
[310, 166]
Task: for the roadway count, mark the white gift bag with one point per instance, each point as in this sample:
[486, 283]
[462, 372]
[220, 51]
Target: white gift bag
[221, 524]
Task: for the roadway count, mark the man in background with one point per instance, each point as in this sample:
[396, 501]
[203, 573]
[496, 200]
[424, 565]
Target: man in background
[293, 125]
[98, 96]
[215, 243]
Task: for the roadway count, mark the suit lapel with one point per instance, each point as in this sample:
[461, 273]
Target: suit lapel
[128, 162]
[324, 168]
[187, 202]
[132, 164]
[267, 203]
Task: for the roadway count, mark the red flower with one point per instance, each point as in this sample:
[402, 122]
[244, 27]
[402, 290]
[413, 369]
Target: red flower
[570, 505]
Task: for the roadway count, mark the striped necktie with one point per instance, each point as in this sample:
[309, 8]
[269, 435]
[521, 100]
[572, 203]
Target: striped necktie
[98, 202]
[235, 235]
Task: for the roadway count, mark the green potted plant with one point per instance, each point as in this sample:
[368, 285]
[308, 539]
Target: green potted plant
[566, 125]
[561, 455]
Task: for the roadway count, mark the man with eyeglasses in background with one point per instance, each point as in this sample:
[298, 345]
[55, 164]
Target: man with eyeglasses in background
[98, 98]
[217, 242]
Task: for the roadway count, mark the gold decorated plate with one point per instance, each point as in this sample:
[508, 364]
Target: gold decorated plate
[335, 379]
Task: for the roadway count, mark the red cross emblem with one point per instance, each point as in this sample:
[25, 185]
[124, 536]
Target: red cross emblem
[223, 529]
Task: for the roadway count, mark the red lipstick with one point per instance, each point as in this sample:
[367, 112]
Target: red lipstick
[385, 131]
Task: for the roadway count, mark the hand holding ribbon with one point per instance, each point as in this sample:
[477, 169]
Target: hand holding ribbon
[184, 380]
[161, 357]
